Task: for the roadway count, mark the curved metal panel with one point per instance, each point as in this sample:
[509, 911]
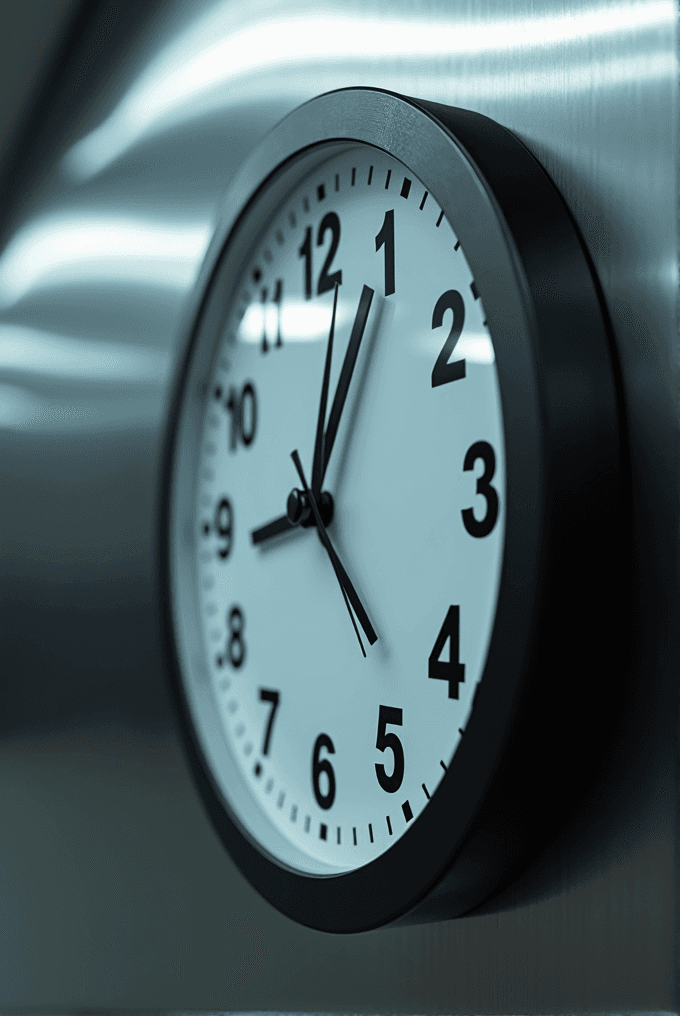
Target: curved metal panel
[114, 891]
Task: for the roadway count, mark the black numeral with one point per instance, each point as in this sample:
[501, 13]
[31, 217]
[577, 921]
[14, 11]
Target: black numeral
[224, 527]
[243, 414]
[482, 450]
[443, 372]
[385, 238]
[236, 646]
[390, 783]
[305, 252]
[327, 282]
[273, 698]
[278, 300]
[320, 766]
[329, 223]
[452, 671]
[265, 344]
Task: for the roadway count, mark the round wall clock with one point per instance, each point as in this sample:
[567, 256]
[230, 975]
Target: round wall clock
[388, 513]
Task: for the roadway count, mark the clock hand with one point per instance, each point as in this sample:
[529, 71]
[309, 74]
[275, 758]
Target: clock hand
[283, 523]
[319, 444]
[298, 514]
[348, 589]
[275, 528]
[346, 376]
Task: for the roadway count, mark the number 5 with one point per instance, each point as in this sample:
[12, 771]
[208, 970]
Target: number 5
[384, 740]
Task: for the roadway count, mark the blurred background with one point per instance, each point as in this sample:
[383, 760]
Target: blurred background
[121, 124]
[32, 35]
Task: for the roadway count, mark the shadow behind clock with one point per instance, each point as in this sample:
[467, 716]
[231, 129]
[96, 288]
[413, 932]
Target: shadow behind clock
[573, 712]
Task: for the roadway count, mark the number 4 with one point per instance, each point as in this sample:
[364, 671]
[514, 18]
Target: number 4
[452, 671]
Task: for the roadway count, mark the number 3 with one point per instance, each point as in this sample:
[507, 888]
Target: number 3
[482, 450]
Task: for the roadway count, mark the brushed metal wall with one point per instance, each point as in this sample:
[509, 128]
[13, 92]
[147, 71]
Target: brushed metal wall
[114, 891]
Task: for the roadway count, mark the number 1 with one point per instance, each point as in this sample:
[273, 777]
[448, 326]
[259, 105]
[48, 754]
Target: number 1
[385, 238]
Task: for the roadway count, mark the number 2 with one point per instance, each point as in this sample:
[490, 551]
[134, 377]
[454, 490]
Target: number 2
[443, 372]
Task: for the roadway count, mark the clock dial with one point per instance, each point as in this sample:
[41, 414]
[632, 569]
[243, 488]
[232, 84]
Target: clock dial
[393, 426]
[340, 744]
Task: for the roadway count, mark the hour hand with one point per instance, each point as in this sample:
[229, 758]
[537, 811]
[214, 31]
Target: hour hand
[345, 378]
[274, 528]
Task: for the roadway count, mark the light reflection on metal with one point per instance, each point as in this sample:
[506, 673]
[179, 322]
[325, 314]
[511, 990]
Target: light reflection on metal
[309, 52]
[23, 409]
[29, 351]
[76, 248]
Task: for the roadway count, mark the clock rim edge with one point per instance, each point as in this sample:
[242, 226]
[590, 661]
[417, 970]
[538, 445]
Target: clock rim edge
[282, 887]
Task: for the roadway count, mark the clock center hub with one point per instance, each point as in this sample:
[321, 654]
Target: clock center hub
[299, 510]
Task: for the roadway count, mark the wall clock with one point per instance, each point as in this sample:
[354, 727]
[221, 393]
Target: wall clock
[389, 513]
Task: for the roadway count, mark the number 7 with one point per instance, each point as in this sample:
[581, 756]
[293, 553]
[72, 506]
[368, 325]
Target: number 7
[272, 697]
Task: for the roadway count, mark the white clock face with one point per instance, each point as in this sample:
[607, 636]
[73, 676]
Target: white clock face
[337, 754]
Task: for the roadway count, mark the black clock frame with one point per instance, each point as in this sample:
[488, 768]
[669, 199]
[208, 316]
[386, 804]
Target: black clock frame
[539, 711]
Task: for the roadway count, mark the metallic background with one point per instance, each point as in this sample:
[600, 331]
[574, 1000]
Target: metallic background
[114, 891]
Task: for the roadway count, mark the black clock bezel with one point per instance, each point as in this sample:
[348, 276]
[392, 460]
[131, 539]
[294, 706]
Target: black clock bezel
[563, 513]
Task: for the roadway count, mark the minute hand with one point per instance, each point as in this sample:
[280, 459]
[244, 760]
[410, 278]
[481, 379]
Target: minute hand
[343, 577]
[346, 374]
